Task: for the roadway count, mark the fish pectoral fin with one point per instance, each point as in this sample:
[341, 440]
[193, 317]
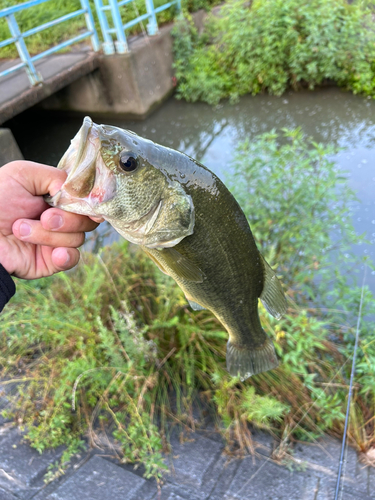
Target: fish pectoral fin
[272, 296]
[244, 361]
[195, 306]
[181, 265]
[154, 260]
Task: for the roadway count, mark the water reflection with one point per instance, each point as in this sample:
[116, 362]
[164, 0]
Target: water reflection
[211, 134]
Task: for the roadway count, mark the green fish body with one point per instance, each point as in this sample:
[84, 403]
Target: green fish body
[188, 223]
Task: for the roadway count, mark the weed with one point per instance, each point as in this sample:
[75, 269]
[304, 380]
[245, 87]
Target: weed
[270, 45]
[115, 341]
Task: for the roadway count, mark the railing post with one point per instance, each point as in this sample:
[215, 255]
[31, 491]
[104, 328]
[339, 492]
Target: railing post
[91, 25]
[152, 27]
[108, 45]
[34, 76]
[121, 43]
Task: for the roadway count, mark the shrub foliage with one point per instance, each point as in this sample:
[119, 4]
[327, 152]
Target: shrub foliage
[270, 45]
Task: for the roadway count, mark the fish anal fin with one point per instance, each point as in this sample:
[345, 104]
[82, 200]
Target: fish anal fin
[195, 306]
[180, 265]
[272, 296]
[244, 361]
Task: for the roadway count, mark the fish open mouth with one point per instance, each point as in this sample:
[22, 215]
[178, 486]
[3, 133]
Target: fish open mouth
[89, 182]
[71, 158]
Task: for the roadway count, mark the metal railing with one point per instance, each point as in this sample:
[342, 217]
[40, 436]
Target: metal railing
[120, 45]
[18, 38]
[114, 37]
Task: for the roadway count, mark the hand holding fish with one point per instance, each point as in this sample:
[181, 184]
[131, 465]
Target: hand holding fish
[36, 240]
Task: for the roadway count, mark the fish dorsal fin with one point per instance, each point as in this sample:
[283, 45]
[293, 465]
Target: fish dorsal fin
[195, 306]
[180, 265]
[272, 296]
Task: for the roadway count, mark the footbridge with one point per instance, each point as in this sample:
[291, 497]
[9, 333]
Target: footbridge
[98, 69]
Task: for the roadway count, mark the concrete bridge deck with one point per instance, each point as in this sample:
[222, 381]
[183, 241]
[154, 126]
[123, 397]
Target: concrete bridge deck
[58, 71]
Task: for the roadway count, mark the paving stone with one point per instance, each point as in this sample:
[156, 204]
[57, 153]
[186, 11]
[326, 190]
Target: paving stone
[75, 463]
[371, 480]
[22, 467]
[6, 495]
[264, 480]
[327, 489]
[99, 479]
[228, 469]
[5, 428]
[323, 457]
[190, 462]
[3, 420]
[147, 491]
[264, 443]
[210, 431]
[200, 471]
[362, 475]
[174, 492]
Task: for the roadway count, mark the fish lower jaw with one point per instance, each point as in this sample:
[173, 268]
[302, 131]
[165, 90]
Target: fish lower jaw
[69, 203]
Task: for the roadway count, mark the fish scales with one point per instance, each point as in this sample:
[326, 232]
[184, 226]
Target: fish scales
[188, 223]
[232, 268]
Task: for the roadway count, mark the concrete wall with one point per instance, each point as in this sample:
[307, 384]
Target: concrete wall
[9, 149]
[131, 84]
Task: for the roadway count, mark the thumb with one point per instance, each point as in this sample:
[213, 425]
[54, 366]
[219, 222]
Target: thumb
[36, 178]
[64, 258]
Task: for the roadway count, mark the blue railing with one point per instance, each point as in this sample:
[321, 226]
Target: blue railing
[19, 38]
[114, 37]
[120, 45]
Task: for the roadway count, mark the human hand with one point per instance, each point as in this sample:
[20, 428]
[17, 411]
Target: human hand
[36, 240]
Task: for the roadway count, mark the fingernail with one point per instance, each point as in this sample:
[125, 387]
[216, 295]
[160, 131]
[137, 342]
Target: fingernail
[24, 229]
[55, 222]
[67, 259]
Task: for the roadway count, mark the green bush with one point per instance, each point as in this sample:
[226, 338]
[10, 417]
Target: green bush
[270, 45]
[116, 339]
[295, 197]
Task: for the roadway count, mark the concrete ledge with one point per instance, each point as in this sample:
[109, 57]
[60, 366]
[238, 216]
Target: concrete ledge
[9, 150]
[58, 72]
[130, 84]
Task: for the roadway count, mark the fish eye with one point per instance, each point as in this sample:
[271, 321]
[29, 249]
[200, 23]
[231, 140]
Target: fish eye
[128, 161]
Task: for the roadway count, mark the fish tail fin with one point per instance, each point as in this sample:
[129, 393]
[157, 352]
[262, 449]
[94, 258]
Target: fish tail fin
[244, 361]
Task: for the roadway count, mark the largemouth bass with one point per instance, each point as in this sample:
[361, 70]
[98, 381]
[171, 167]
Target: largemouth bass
[187, 222]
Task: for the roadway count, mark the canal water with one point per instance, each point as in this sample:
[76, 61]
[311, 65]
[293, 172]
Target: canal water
[210, 135]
